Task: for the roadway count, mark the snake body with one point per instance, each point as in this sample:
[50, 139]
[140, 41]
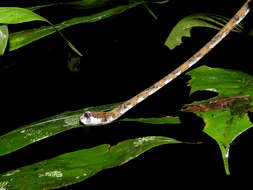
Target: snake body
[104, 117]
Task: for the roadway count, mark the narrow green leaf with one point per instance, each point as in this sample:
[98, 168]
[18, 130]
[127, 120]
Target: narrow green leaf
[183, 27]
[91, 4]
[88, 4]
[155, 120]
[35, 8]
[81, 4]
[77, 166]
[150, 11]
[20, 39]
[15, 15]
[37, 131]
[4, 35]
[226, 115]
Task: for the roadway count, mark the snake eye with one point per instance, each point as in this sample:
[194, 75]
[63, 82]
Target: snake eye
[87, 114]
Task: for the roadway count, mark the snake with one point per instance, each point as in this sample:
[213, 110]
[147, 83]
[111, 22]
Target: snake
[91, 118]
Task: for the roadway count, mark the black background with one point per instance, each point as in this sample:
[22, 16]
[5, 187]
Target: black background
[122, 56]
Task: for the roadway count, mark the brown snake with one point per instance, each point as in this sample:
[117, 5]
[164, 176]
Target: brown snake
[104, 117]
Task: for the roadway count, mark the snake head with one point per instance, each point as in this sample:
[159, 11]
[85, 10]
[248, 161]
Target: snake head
[96, 118]
[90, 118]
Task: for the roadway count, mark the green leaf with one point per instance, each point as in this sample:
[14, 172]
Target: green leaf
[35, 8]
[183, 27]
[155, 120]
[91, 4]
[150, 11]
[15, 15]
[88, 4]
[37, 131]
[22, 38]
[4, 35]
[82, 4]
[228, 83]
[226, 115]
[77, 166]
[224, 127]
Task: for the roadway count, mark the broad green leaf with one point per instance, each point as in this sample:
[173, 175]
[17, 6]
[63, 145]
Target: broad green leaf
[227, 114]
[224, 126]
[37, 131]
[15, 15]
[4, 35]
[228, 83]
[183, 27]
[20, 39]
[77, 166]
[155, 120]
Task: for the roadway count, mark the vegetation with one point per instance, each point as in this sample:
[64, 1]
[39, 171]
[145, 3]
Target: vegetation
[225, 111]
